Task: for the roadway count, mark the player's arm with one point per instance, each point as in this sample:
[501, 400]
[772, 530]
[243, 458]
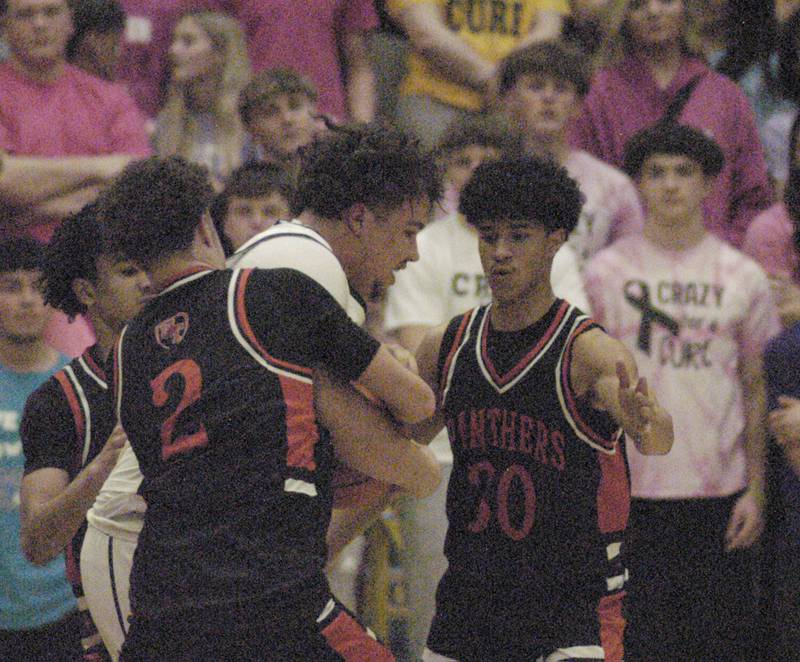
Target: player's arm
[51, 507]
[366, 439]
[604, 371]
[427, 357]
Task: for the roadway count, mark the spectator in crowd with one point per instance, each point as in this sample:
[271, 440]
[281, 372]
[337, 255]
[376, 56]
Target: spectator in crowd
[278, 107]
[455, 48]
[465, 145]
[771, 241]
[652, 75]
[38, 620]
[64, 133]
[588, 24]
[143, 59]
[781, 579]
[208, 69]
[541, 88]
[330, 47]
[68, 427]
[696, 313]
[96, 39]
[775, 132]
[255, 197]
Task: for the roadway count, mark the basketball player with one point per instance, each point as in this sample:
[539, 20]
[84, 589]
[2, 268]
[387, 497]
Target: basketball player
[364, 192]
[213, 383]
[535, 397]
[67, 426]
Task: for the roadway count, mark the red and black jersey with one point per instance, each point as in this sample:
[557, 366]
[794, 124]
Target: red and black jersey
[66, 423]
[214, 388]
[538, 497]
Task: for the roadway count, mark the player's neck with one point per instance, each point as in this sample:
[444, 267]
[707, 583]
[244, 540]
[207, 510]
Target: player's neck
[167, 271]
[522, 312]
[22, 356]
[674, 236]
[105, 335]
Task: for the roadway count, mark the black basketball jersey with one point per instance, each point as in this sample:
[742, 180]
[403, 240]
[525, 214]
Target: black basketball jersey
[66, 423]
[538, 496]
[214, 388]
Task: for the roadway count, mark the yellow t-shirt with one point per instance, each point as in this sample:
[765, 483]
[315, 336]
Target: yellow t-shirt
[491, 27]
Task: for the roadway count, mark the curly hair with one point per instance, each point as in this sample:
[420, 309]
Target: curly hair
[364, 163]
[72, 253]
[154, 207]
[20, 254]
[528, 188]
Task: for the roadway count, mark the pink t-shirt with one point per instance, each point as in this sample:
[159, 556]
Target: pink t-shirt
[76, 115]
[626, 99]
[301, 36]
[770, 241]
[143, 60]
[690, 318]
[611, 209]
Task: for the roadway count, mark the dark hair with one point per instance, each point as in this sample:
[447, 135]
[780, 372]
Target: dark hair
[677, 139]
[484, 130]
[72, 253]
[154, 207]
[526, 188]
[251, 180]
[749, 42]
[20, 253]
[555, 59]
[101, 16]
[788, 50]
[366, 163]
[264, 86]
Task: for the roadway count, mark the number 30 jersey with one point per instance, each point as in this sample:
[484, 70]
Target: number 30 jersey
[214, 388]
[539, 495]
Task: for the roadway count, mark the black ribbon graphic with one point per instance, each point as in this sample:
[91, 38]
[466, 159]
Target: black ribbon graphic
[650, 314]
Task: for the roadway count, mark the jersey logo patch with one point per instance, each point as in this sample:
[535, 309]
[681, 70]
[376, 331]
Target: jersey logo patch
[172, 331]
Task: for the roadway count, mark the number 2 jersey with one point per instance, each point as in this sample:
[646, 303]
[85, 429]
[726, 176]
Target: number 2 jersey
[538, 498]
[214, 389]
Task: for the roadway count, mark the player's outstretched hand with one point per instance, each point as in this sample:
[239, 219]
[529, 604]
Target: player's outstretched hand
[403, 356]
[107, 457]
[746, 522]
[643, 419]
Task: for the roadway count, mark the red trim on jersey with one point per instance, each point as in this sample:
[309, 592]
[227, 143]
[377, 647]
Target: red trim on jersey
[613, 493]
[348, 638]
[302, 433]
[93, 365]
[525, 361]
[241, 317]
[612, 626]
[569, 395]
[456, 342]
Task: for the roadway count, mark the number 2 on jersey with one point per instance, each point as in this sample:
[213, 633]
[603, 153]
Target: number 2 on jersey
[482, 475]
[192, 384]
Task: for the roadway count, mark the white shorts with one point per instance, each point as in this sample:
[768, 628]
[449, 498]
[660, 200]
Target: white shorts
[105, 570]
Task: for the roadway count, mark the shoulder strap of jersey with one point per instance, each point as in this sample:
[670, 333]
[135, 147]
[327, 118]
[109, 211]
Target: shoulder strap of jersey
[455, 337]
[81, 414]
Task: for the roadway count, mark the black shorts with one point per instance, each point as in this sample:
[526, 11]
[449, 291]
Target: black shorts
[255, 631]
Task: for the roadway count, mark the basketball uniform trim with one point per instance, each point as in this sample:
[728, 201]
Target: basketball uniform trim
[503, 383]
[90, 367]
[566, 395]
[237, 315]
[461, 340]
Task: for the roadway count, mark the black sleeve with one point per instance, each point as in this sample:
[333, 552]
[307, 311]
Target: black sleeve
[298, 321]
[48, 429]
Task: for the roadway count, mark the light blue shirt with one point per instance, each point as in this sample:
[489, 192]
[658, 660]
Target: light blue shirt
[30, 596]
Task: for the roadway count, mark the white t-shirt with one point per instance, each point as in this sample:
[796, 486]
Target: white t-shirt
[690, 318]
[293, 245]
[448, 280]
[118, 510]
